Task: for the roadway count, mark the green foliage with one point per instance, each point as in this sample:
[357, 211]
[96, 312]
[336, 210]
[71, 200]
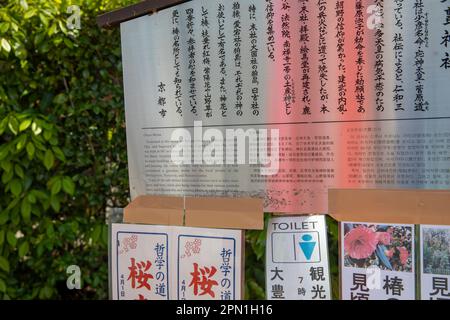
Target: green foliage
[63, 152]
[62, 147]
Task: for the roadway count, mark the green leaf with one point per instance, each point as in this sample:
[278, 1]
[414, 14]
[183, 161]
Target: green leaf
[54, 202]
[36, 129]
[2, 237]
[68, 186]
[25, 209]
[30, 150]
[25, 124]
[2, 286]
[4, 264]
[56, 187]
[19, 171]
[96, 233]
[11, 238]
[4, 26]
[23, 249]
[13, 125]
[4, 216]
[21, 141]
[16, 187]
[5, 45]
[49, 159]
[24, 4]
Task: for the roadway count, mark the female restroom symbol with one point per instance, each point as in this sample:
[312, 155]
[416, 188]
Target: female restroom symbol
[307, 245]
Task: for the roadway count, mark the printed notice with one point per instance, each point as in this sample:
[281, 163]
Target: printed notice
[209, 264]
[377, 261]
[140, 262]
[435, 262]
[165, 262]
[351, 94]
[297, 266]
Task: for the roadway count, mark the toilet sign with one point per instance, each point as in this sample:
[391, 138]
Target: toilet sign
[297, 266]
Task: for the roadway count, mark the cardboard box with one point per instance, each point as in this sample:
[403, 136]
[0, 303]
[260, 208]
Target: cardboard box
[228, 213]
[159, 210]
[390, 205]
[224, 213]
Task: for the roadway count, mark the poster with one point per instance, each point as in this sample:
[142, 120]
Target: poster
[209, 264]
[377, 261]
[297, 264]
[166, 262]
[140, 262]
[284, 99]
[434, 262]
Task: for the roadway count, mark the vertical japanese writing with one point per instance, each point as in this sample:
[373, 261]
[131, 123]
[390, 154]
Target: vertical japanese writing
[237, 29]
[304, 55]
[254, 59]
[289, 94]
[277, 291]
[340, 48]
[398, 92]
[160, 264]
[323, 50]
[162, 99]
[223, 63]
[317, 275]
[420, 103]
[226, 270]
[360, 62]
[270, 32]
[206, 62]
[446, 37]
[359, 291]
[191, 63]
[176, 64]
[379, 58]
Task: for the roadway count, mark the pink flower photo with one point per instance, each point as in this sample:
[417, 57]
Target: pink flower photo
[387, 247]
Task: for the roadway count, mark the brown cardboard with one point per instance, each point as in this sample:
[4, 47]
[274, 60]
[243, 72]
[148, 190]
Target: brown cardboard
[390, 206]
[157, 210]
[222, 213]
[225, 213]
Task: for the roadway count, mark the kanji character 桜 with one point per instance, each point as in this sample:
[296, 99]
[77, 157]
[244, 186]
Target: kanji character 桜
[139, 272]
[201, 277]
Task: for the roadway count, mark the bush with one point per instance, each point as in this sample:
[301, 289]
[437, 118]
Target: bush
[62, 147]
[63, 151]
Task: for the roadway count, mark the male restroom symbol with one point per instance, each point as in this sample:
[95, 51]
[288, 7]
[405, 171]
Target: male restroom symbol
[308, 247]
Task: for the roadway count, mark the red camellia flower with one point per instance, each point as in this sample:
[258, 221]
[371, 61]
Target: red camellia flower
[404, 255]
[360, 242]
[384, 238]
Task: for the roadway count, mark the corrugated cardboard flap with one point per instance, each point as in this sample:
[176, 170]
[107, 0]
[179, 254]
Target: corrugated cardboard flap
[390, 205]
[158, 210]
[228, 213]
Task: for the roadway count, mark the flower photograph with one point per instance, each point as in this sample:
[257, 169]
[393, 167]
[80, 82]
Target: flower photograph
[383, 246]
[436, 251]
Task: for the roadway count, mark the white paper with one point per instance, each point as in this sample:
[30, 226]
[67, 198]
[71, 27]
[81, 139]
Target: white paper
[297, 265]
[165, 262]
[435, 262]
[377, 261]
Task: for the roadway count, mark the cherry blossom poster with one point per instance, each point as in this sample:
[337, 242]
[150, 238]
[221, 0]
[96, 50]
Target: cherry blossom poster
[166, 262]
[377, 261]
[140, 262]
[209, 264]
[435, 262]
